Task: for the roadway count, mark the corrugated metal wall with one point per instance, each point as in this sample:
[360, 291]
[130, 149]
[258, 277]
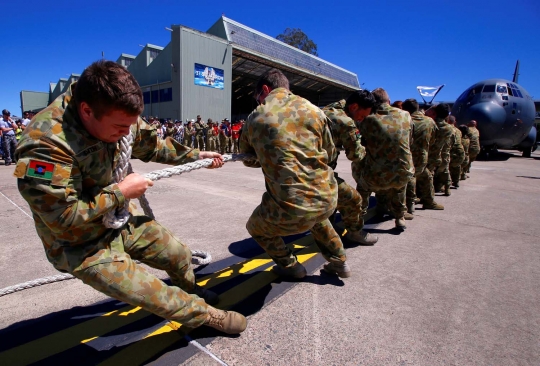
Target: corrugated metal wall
[197, 47]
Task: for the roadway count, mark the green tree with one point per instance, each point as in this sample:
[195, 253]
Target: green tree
[296, 38]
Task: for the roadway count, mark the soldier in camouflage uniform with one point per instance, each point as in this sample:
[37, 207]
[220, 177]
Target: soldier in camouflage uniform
[474, 148]
[388, 165]
[425, 183]
[457, 153]
[198, 143]
[65, 168]
[293, 145]
[210, 136]
[188, 135]
[345, 136]
[424, 129]
[465, 141]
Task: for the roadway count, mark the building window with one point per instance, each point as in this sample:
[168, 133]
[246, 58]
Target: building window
[146, 97]
[153, 55]
[165, 95]
[127, 62]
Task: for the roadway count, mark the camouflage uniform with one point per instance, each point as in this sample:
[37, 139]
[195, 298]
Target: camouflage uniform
[344, 135]
[188, 136]
[64, 174]
[474, 148]
[443, 135]
[199, 135]
[210, 139]
[423, 136]
[466, 143]
[388, 165]
[293, 145]
[457, 155]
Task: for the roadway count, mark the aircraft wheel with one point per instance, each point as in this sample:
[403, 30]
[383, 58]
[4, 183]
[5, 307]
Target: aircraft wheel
[527, 152]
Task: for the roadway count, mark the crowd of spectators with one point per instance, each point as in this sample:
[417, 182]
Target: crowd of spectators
[206, 136]
[11, 129]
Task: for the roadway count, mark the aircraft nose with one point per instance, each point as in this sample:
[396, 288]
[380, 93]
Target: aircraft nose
[490, 118]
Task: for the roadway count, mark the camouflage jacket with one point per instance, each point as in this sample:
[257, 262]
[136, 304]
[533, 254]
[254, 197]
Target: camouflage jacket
[439, 150]
[388, 162]
[293, 143]
[457, 153]
[423, 136]
[199, 128]
[475, 140]
[344, 132]
[65, 175]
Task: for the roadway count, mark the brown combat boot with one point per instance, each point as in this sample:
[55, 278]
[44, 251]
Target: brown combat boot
[340, 269]
[447, 191]
[229, 322]
[408, 216]
[432, 206]
[297, 271]
[400, 223]
[362, 237]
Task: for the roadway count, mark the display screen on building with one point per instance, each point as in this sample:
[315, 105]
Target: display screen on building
[209, 76]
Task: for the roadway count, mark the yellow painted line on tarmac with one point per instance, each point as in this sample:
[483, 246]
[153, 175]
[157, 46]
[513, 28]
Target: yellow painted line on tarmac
[140, 352]
[73, 336]
[65, 339]
[92, 329]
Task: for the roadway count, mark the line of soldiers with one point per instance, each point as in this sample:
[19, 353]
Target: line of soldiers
[212, 136]
[66, 161]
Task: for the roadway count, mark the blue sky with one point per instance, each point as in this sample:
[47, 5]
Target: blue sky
[396, 45]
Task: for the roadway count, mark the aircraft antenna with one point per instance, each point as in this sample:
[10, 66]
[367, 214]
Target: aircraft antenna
[516, 73]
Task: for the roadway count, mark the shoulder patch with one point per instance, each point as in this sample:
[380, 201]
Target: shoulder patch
[40, 169]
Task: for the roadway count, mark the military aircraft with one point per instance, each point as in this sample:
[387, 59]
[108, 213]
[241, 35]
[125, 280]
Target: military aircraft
[504, 113]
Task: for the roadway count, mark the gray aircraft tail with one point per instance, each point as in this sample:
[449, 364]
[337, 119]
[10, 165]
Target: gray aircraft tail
[516, 73]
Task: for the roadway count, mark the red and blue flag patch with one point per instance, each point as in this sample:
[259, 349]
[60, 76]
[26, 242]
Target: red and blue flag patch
[40, 169]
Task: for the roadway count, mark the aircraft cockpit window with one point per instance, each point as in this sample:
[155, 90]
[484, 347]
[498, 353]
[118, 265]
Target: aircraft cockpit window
[501, 89]
[489, 89]
[519, 93]
[510, 92]
[477, 89]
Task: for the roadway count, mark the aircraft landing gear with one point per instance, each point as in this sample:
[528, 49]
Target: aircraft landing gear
[527, 152]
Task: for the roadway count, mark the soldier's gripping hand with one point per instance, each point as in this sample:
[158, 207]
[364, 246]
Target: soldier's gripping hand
[218, 159]
[134, 185]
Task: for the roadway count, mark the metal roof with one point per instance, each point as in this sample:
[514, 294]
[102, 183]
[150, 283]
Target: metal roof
[265, 48]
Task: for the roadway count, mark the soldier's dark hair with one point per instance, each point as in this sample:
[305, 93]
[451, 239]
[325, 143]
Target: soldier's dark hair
[398, 104]
[363, 98]
[442, 110]
[410, 105]
[381, 96]
[464, 131]
[273, 79]
[107, 86]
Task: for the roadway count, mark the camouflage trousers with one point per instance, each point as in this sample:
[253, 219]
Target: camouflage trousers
[410, 194]
[472, 158]
[441, 178]
[392, 199]
[113, 271]
[234, 149]
[211, 144]
[188, 141]
[424, 187]
[268, 235]
[464, 166]
[224, 144]
[199, 142]
[455, 174]
[349, 205]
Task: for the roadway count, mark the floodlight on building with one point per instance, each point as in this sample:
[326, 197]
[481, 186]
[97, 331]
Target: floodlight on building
[169, 29]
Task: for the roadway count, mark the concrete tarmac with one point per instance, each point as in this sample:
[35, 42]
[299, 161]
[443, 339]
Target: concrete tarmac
[459, 286]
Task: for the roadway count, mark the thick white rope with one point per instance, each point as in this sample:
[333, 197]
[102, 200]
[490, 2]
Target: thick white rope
[35, 283]
[118, 218]
[198, 257]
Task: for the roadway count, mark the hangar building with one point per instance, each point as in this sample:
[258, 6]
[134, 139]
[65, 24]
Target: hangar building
[213, 74]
